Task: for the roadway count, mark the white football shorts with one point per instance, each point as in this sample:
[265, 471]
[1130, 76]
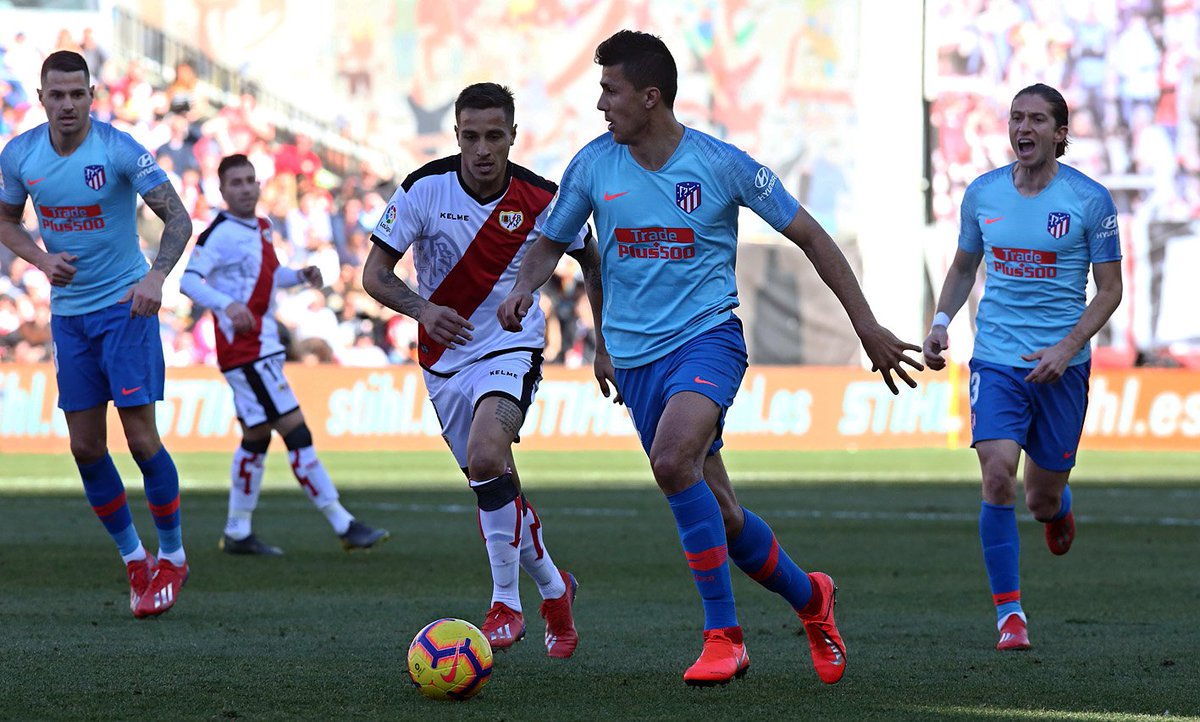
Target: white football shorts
[260, 391]
[513, 375]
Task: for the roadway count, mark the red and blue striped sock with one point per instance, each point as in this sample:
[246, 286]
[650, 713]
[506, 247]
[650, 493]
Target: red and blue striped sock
[105, 492]
[162, 494]
[698, 517]
[1001, 557]
[756, 552]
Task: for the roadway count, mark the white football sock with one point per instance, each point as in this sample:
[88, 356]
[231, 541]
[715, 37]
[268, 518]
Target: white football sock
[246, 476]
[535, 558]
[502, 537]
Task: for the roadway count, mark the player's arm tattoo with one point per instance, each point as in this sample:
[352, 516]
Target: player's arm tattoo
[589, 263]
[509, 416]
[386, 287]
[177, 231]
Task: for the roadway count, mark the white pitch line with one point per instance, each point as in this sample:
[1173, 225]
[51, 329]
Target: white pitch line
[1124, 520]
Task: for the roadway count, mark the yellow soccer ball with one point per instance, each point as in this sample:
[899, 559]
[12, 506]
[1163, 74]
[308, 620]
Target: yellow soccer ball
[450, 659]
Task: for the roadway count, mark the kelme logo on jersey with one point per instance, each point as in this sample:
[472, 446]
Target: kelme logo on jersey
[1058, 223]
[1025, 262]
[389, 218]
[666, 244]
[511, 220]
[93, 175]
[687, 196]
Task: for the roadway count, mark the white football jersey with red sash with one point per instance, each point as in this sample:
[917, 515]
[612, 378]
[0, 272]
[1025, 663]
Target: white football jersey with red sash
[234, 260]
[467, 251]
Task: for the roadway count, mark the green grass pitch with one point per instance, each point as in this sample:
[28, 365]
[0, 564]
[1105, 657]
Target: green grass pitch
[321, 634]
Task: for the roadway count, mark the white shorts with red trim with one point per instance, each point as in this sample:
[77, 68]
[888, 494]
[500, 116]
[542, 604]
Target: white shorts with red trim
[261, 393]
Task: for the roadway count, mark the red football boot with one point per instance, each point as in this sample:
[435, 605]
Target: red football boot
[163, 591]
[140, 573]
[1060, 533]
[824, 639]
[561, 637]
[1013, 634]
[722, 659]
[503, 626]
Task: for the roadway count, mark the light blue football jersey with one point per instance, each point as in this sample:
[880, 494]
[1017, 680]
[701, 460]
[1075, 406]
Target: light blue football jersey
[85, 204]
[668, 238]
[1037, 252]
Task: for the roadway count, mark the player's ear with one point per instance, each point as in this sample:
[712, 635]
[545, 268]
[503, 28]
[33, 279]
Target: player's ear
[513, 139]
[653, 97]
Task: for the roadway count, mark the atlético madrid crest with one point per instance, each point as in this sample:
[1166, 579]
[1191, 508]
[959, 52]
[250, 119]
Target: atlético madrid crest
[93, 175]
[1058, 223]
[511, 220]
[687, 196]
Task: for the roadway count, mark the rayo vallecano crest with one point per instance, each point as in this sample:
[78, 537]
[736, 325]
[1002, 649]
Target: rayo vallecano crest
[511, 220]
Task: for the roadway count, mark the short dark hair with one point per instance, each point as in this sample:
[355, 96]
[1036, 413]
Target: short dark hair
[66, 61]
[231, 161]
[1058, 107]
[644, 59]
[482, 96]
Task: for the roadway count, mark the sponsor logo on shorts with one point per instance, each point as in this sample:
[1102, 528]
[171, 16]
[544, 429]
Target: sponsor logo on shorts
[504, 372]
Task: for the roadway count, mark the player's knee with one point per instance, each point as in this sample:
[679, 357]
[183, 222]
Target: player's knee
[1042, 506]
[496, 493]
[256, 445]
[672, 470]
[88, 451]
[143, 447]
[298, 438]
[486, 466]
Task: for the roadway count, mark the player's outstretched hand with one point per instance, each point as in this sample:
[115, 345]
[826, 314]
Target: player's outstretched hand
[512, 310]
[887, 354]
[312, 276]
[1052, 362]
[936, 342]
[445, 326]
[58, 268]
[145, 296]
[605, 376]
[239, 313]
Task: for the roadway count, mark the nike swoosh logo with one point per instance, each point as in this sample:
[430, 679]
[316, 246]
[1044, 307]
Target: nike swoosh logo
[702, 381]
[611, 196]
[126, 392]
[990, 221]
[453, 671]
[35, 181]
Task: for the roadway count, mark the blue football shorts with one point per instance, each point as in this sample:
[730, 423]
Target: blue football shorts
[107, 355]
[711, 364]
[1046, 420]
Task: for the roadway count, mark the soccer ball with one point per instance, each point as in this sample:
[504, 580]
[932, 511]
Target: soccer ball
[450, 659]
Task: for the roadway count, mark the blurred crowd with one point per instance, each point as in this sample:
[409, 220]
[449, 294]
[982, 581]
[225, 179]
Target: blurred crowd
[1130, 72]
[317, 217]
